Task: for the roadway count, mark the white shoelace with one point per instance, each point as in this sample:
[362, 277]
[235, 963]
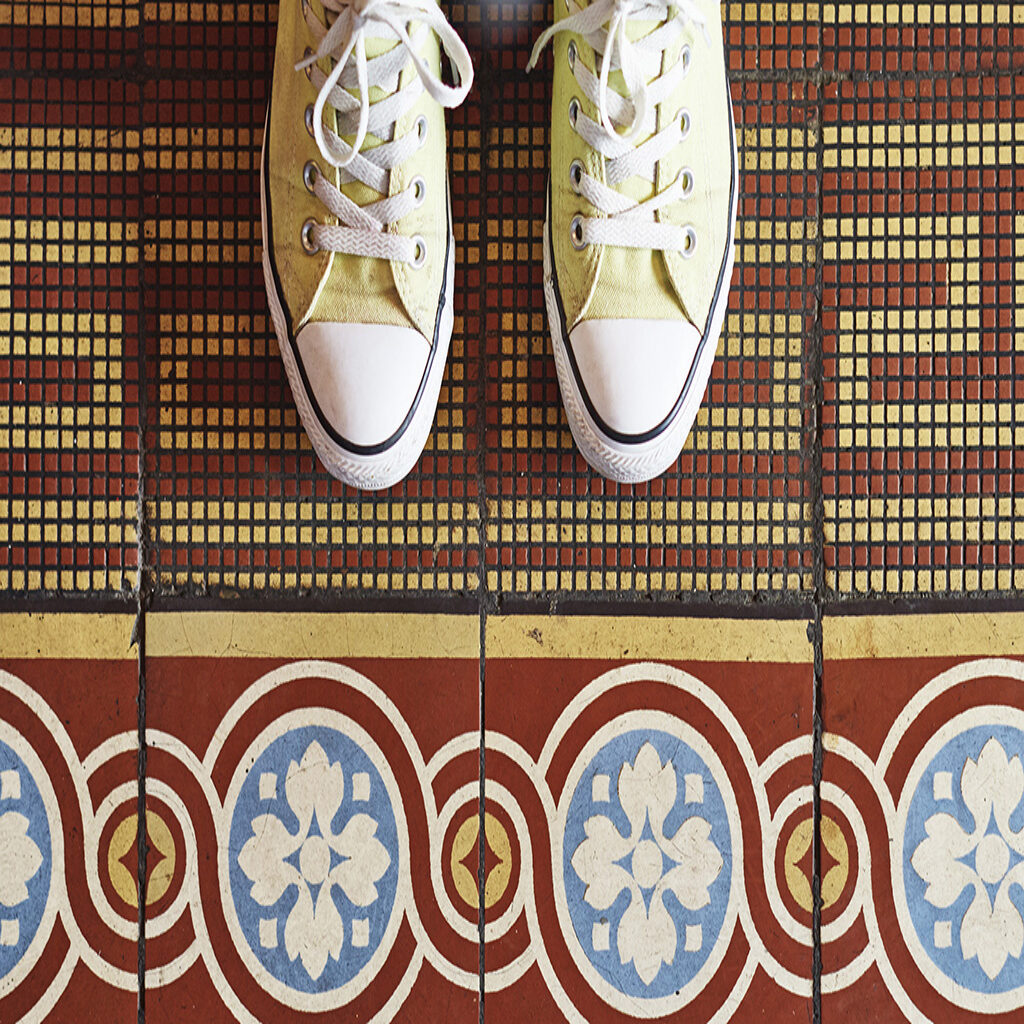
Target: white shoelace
[628, 223]
[363, 230]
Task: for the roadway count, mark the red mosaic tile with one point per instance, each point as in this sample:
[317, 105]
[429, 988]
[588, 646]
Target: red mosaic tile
[940, 38]
[921, 373]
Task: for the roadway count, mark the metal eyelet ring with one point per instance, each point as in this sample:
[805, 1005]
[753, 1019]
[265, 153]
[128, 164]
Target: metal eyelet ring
[574, 111]
[421, 128]
[308, 242]
[419, 189]
[308, 117]
[685, 56]
[686, 179]
[689, 241]
[420, 254]
[576, 232]
[684, 123]
[309, 175]
[307, 53]
[570, 54]
[575, 174]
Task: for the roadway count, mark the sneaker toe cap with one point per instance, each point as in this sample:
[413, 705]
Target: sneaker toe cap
[633, 371]
[364, 378]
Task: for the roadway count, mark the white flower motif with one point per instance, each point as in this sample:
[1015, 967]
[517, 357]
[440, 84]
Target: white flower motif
[314, 930]
[20, 858]
[647, 792]
[992, 788]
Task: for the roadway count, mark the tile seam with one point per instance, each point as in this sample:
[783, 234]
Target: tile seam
[817, 542]
[142, 77]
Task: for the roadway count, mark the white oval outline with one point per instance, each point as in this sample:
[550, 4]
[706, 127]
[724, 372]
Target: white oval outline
[833, 929]
[118, 797]
[470, 929]
[628, 722]
[31, 760]
[947, 987]
[345, 993]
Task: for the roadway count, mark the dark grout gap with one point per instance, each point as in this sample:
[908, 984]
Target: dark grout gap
[817, 543]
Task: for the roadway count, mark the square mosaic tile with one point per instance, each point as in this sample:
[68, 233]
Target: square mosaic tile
[922, 825]
[648, 818]
[922, 307]
[69, 863]
[69, 327]
[321, 775]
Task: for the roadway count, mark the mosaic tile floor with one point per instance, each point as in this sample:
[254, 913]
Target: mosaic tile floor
[743, 743]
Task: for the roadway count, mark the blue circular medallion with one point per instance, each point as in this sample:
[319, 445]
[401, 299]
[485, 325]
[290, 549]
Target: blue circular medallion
[26, 859]
[963, 859]
[314, 858]
[647, 863]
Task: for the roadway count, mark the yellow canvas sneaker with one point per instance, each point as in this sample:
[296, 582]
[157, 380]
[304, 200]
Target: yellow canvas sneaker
[358, 253]
[638, 239]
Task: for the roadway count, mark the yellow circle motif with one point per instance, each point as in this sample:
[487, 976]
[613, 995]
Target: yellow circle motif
[465, 844]
[834, 880]
[161, 843]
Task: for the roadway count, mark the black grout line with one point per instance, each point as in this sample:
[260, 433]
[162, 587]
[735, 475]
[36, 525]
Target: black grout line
[816, 366]
[486, 600]
[142, 588]
[139, 638]
[482, 835]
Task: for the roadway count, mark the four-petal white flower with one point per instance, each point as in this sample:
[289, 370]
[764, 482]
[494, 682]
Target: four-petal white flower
[647, 792]
[312, 931]
[20, 858]
[992, 788]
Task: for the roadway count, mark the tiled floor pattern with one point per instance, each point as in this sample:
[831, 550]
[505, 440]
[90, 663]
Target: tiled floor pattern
[69, 801]
[922, 798]
[145, 418]
[318, 843]
[313, 817]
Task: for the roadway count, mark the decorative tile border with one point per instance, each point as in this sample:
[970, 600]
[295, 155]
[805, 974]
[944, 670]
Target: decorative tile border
[655, 814]
[323, 770]
[923, 818]
[68, 818]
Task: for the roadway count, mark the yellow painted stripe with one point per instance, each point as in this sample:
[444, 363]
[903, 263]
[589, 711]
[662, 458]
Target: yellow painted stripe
[66, 635]
[648, 638]
[311, 635]
[944, 635]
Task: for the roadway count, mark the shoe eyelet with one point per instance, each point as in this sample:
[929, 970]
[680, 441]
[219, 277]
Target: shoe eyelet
[686, 180]
[307, 53]
[421, 128]
[574, 111]
[575, 174]
[684, 123]
[685, 57]
[308, 242]
[420, 254]
[570, 54]
[689, 241]
[419, 189]
[309, 175]
[576, 232]
[308, 117]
